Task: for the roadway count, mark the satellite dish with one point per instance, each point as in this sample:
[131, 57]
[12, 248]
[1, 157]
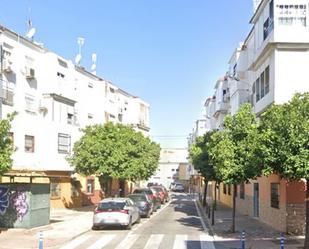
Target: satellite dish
[93, 67]
[78, 58]
[30, 33]
[94, 58]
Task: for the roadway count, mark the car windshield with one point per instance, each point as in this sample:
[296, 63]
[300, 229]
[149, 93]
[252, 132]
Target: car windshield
[137, 197]
[112, 205]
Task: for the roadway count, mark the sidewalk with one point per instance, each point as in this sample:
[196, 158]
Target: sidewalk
[65, 224]
[258, 235]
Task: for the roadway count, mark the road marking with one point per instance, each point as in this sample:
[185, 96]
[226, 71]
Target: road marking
[102, 242]
[200, 216]
[128, 241]
[76, 242]
[154, 241]
[210, 239]
[180, 242]
[206, 241]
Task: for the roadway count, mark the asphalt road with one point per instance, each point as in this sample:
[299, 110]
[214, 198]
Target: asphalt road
[176, 225]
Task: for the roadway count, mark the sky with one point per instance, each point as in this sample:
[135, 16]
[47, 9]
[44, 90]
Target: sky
[168, 52]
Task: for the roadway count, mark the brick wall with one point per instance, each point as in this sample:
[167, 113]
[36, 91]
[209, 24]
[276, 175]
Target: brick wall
[296, 214]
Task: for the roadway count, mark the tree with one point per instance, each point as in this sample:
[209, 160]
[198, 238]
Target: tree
[285, 142]
[6, 144]
[200, 158]
[117, 151]
[235, 151]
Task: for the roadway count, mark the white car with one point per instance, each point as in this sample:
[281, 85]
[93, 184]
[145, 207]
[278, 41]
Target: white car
[116, 211]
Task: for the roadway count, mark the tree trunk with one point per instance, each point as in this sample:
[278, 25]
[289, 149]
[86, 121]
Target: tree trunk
[205, 193]
[307, 215]
[234, 208]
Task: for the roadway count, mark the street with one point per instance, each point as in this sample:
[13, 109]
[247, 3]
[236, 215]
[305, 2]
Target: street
[176, 225]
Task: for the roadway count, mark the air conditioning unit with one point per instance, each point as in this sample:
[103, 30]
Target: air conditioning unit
[30, 73]
[6, 66]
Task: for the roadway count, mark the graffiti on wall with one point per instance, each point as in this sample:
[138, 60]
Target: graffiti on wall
[19, 203]
[4, 199]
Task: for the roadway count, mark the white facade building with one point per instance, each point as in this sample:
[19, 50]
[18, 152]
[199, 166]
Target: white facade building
[169, 166]
[55, 99]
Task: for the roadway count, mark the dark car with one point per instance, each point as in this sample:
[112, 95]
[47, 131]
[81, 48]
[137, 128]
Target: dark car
[151, 195]
[144, 204]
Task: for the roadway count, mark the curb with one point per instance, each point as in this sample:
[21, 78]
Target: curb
[212, 232]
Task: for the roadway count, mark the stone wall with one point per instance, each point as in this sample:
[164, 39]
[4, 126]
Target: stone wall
[296, 220]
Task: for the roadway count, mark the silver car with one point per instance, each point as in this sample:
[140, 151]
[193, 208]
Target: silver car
[116, 211]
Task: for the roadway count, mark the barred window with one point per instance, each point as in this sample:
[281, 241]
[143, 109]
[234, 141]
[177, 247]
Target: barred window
[29, 143]
[274, 198]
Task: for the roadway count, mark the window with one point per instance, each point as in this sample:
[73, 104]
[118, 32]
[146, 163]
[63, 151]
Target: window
[62, 63]
[242, 191]
[7, 96]
[30, 103]
[64, 143]
[274, 198]
[262, 85]
[173, 169]
[257, 90]
[120, 117]
[90, 85]
[90, 116]
[70, 118]
[90, 186]
[55, 188]
[29, 143]
[60, 75]
[266, 83]
[289, 15]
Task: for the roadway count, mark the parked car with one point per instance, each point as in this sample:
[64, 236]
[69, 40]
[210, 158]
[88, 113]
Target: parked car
[151, 195]
[178, 187]
[163, 193]
[144, 204]
[116, 211]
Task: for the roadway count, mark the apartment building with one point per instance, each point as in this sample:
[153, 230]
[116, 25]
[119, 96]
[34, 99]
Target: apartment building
[268, 67]
[55, 99]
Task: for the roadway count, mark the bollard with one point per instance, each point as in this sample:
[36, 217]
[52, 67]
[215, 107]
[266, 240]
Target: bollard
[282, 241]
[242, 240]
[40, 240]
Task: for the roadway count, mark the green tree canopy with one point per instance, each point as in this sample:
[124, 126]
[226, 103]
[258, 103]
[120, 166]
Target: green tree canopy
[236, 150]
[200, 158]
[285, 142]
[117, 151]
[6, 144]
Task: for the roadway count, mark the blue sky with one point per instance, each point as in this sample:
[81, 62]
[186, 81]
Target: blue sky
[168, 52]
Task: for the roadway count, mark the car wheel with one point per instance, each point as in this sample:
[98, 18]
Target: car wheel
[95, 228]
[129, 226]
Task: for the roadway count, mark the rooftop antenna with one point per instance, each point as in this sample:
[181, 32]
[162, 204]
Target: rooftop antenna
[80, 42]
[94, 63]
[31, 30]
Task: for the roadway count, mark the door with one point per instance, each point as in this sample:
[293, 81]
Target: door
[256, 200]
